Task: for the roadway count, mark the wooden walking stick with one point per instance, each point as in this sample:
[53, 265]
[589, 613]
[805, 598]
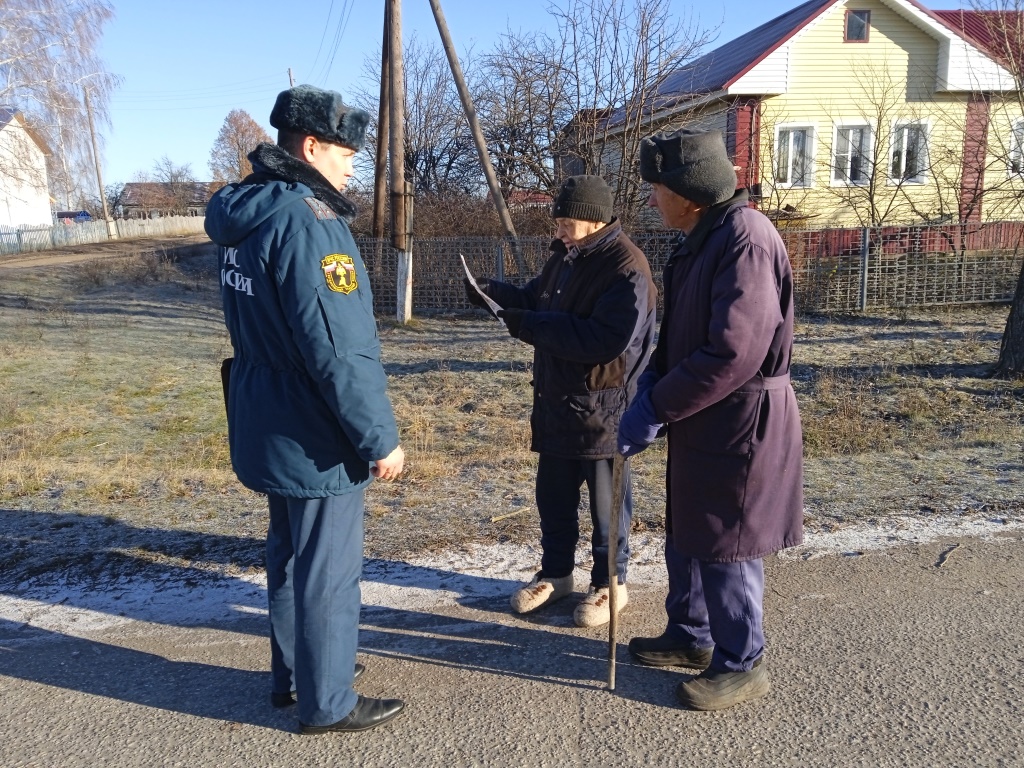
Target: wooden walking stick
[615, 514]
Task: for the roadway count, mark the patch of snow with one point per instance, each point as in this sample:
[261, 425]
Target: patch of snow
[425, 583]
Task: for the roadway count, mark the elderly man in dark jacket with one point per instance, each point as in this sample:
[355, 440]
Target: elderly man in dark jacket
[719, 380]
[590, 317]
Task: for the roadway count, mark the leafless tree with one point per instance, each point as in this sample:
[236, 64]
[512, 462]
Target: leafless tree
[176, 185]
[527, 101]
[238, 136]
[440, 158]
[616, 55]
[1003, 26]
[874, 173]
[48, 57]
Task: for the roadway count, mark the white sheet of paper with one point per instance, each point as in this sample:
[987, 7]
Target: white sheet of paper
[495, 306]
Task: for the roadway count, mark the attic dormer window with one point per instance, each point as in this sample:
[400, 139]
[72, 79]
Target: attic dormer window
[857, 25]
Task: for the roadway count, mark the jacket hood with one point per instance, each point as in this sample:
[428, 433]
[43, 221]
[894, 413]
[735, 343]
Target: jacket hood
[277, 181]
[237, 209]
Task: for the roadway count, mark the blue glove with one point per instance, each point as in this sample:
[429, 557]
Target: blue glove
[639, 425]
[646, 382]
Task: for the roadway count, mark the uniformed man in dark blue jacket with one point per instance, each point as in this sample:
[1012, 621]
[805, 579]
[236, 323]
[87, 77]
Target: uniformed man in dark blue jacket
[309, 423]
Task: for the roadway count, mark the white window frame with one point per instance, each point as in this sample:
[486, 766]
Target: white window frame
[1015, 161]
[869, 154]
[809, 150]
[896, 138]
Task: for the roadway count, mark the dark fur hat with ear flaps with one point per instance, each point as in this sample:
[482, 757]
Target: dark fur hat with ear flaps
[693, 164]
[316, 112]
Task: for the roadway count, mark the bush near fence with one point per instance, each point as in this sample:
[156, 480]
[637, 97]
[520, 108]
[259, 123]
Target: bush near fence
[27, 239]
[835, 270]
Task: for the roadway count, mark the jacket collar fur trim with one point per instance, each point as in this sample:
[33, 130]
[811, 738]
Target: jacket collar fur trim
[271, 163]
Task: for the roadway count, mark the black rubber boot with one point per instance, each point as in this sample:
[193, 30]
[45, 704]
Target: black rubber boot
[721, 690]
[665, 651]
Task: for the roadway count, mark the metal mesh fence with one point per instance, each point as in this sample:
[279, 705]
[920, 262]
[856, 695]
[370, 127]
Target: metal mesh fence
[835, 270]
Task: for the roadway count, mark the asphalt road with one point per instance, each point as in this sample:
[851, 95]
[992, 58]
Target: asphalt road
[903, 657]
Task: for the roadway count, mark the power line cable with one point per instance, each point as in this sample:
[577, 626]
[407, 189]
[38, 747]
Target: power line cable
[343, 17]
[199, 90]
[322, 36]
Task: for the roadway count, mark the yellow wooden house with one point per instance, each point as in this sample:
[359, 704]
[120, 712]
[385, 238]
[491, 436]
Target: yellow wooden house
[862, 112]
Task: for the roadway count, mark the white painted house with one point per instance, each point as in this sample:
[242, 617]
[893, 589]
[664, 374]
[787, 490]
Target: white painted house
[24, 190]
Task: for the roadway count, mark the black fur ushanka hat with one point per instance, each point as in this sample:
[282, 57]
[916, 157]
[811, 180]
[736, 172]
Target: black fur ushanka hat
[316, 112]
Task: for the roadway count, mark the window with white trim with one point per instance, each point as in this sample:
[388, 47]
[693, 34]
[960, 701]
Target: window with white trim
[1016, 165]
[909, 153]
[851, 157]
[793, 161]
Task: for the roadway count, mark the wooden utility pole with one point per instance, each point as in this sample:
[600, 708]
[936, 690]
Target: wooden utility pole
[399, 220]
[380, 164]
[111, 228]
[474, 124]
[291, 80]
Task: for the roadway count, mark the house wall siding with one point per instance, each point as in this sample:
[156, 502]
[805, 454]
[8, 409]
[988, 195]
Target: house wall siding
[889, 79]
[24, 194]
[1004, 190]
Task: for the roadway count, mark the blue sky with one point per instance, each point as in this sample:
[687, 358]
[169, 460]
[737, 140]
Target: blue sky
[186, 64]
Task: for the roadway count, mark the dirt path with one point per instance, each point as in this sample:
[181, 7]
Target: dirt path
[118, 248]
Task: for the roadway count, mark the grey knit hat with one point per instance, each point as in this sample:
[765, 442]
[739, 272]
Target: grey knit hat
[316, 112]
[588, 198]
[693, 164]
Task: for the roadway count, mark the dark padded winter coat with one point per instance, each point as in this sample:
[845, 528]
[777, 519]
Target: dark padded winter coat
[591, 324]
[307, 409]
[735, 474]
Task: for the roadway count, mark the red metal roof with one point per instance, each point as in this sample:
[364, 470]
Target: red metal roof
[998, 33]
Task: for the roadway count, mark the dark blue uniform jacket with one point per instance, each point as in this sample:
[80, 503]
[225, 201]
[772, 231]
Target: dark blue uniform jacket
[307, 408]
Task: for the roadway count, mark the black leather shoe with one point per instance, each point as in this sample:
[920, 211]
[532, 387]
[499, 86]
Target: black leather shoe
[664, 651]
[281, 700]
[368, 713]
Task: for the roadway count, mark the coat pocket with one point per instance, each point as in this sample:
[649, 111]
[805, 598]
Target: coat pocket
[348, 321]
[727, 427]
[578, 424]
[597, 413]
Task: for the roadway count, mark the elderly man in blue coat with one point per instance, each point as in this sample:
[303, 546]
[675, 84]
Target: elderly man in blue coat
[719, 382]
[309, 423]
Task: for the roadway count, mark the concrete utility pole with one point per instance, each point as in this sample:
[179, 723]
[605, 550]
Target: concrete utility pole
[111, 227]
[380, 164]
[399, 219]
[474, 124]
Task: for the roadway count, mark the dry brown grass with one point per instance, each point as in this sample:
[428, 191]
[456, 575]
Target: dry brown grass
[110, 410]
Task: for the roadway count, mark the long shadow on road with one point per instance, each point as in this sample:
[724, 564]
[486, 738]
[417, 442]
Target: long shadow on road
[464, 626]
